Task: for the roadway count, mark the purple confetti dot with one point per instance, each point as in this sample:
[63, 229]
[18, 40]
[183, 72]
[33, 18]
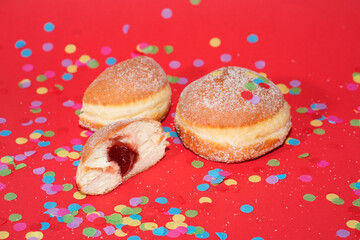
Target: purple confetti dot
[352, 86]
[109, 230]
[260, 64]
[72, 225]
[20, 157]
[68, 103]
[272, 179]
[28, 67]
[208, 178]
[48, 156]
[320, 106]
[342, 233]
[166, 13]
[41, 120]
[47, 47]
[50, 192]
[177, 141]
[295, 83]
[53, 211]
[126, 28]
[57, 188]
[198, 63]
[225, 57]
[19, 226]
[29, 153]
[46, 187]
[78, 220]
[255, 99]
[182, 81]
[33, 238]
[3, 167]
[2, 120]
[174, 64]
[36, 103]
[39, 171]
[173, 115]
[224, 173]
[49, 74]
[106, 50]
[2, 186]
[135, 201]
[97, 234]
[66, 62]
[27, 123]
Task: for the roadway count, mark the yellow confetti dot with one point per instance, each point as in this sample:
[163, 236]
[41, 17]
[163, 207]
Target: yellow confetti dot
[62, 153]
[178, 218]
[36, 234]
[171, 225]
[118, 208]
[251, 74]
[84, 58]
[255, 178]
[72, 69]
[230, 182]
[97, 213]
[134, 223]
[205, 200]
[316, 123]
[215, 42]
[331, 196]
[150, 225]
[35, 135]
[352, 223]
[6, 159]
[263, 74]
[356, 78]
[21, 140]
[120, 233]
[216, 73]
[70, 48]
[42, 90]
[85, 133]
[74, 155]
[4, 234]
[79, 195]
[283, 88]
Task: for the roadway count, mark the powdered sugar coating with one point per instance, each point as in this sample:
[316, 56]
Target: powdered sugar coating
[128, 81]
[221, 99]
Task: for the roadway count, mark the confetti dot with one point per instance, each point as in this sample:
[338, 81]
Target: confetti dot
[246, 208]
[342, 233]
[106, 50]
[15, 217]
[26, 53]
[295, 83]
[110, 61]
[79, 195]
[41, 90]
[352, 223]
[337, 201]
[304, 155]
[168, 49]
[225, 57]
[93, 63]
[316, 123]
[21, 140]
[221, 235]
[203, 187]
[120, 233]
[195, 2]
[252, 38]
[260, 64]
[355, 122]
[295, 91]
[182, 81]
[41, 78]
[5, 133]
[20, 44]
[191, 213]
[301, 110]
[319, 131]
[10, 196]
[273, 163]
[198, 63]
[89, 232]
[47, 47]
[305, 178]
[70, 48]
[205, 200]
[4, 234]
[356, 203]
[197, 164]
[215, 42]
[19, 226]
[309, 197]
[283, 88]
[272, 179]
[174, 64]
[67, 76]
[49, 27]
[72, 69]
[230, 182]
[352, 86]
[28, 67]
[166, 13]
[254, 178]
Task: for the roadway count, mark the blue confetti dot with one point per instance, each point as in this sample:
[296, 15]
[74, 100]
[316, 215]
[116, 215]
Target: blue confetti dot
[5, 133]
[135, 217]
[252, 38]
[173, 134]
[257, 80]
[221, 235]
[49, 205]
[110, 61]
[20, 43]
[174, 211]
[161, 200]
[44, 225]
[39, 131]
[48, 179]
[161, 231]
[321, 118]
[60, 219]
[43, 143]
[67, 76]
[215, 172]
[134, 238]
[167, 129]
[76, 163]
[119, 226]
[246, 208]
[281, 176]
[203, 235]
[49, 27]
[257, 238]
[74, 207]
[77, 147]
[293, 142]
[26, 52]
[357, 185]
[217, 181]
[191, 229]
[203, 187]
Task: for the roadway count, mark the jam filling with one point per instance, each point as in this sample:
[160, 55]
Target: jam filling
[124, 156]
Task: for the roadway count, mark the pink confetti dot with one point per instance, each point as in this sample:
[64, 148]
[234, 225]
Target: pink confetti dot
[63, 211]
[357, 192]
[28, 68]
[61, 159]
[92, 216]
[182, 230]
[76, 141]
[323, 163]
[305, 178]
[19, 226]
[352, 86]
[2, 186]
[105, 50]
[57, 188]
[173, 234]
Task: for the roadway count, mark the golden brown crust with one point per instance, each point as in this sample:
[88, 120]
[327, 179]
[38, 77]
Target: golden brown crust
[219, 99]
[127, 81]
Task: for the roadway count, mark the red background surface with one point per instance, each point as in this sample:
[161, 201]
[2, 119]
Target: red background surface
[315, 42]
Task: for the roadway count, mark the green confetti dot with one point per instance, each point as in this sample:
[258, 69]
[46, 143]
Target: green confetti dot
[78, 112]
[137, 210]
[93, 63]
[150, 49]
[35, 110]
[142, 227]
[58, 150]
[295, 90]
[68, 218]
[89, 232]
[41, 78]
[197, 164]
[126, 211]
[199, 230]
[168, 49]
[5, 172]
[60, 87]
[319, 131]
[15, 217]
[355, 122]
[10, 196]
[67, 187]
[49, 133]
[89, 209]
[337, 201]
[49, 173]
[115, 217]
[191, 213]
[301, 110]
[309, 197]
[304, 155]
[172, 79]
[250, 86]
[74, 213]
[357, 226]
[195, 2]
[273, 163]
[356, 203]
[145, 200]
[263, 78]
[20, 166]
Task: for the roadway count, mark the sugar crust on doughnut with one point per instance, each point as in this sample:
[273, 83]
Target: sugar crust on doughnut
[216, 122]
[134, 88]
[97, 175]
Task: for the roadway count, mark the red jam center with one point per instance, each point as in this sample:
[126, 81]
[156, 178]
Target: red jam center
[124, 156]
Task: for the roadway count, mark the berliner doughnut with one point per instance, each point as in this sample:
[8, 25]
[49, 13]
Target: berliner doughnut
[117, 152]
[231, 115]
[135, 88]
